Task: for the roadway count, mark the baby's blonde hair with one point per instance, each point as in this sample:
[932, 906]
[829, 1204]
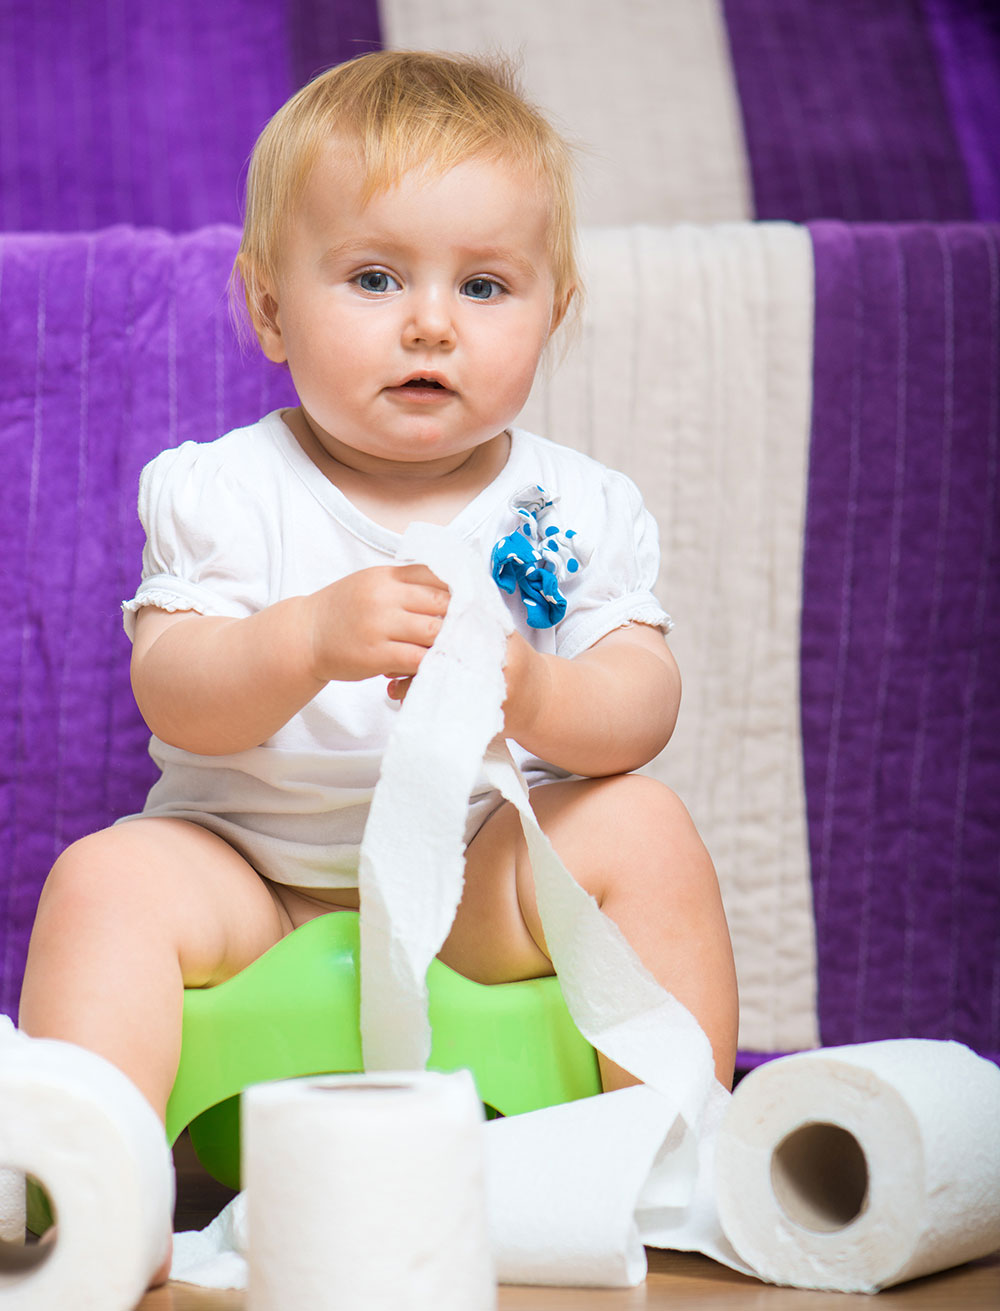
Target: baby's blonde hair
[402, 109]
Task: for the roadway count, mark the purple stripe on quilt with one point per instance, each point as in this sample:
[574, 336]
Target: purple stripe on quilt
[966, 36]
[843, 111]
[146, 114]
[112, 346]
[901, 632]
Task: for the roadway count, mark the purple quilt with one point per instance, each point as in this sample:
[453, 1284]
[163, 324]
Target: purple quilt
[901, 632]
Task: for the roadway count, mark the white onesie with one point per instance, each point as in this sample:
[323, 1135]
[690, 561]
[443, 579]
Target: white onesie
[242, 522]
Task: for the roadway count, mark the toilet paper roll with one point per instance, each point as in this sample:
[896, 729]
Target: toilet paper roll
[366, 1191]
[859, 1167]
[86, 1133]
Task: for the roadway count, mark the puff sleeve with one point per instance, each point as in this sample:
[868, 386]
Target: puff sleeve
[204, 548]
[615, 586]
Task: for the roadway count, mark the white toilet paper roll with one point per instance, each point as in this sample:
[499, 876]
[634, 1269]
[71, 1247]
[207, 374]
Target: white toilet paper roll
[366, 1191]
[88, 1135]
[858, 1167]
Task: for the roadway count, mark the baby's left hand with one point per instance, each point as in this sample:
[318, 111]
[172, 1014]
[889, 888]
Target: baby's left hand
[526, 674]
[521, 670]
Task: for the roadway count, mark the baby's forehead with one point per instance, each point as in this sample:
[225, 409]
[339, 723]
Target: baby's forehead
[474, 208]
[377, 173]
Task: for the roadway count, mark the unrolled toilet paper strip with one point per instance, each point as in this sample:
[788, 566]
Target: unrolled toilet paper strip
[83, 1129]
[859, 1167]
[367, 1191]
[412, 854]
[449, 729]
[576, 1191]
[412, 867]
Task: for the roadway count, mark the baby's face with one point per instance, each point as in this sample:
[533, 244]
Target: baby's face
[413, 324]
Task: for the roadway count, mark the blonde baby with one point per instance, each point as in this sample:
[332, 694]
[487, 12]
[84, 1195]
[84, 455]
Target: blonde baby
[408, 254]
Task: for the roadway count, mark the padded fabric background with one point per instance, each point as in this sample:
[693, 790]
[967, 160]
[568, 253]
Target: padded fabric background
[146, 113]
[112, 346]
[844, 111]
[901, 633]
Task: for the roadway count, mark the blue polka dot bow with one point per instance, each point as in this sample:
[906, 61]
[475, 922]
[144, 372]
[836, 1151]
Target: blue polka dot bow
[535, 558]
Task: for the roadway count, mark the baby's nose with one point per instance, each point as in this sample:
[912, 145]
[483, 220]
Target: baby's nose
[430, 321]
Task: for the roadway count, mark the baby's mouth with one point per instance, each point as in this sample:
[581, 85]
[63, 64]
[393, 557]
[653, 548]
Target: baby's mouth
[422, 387]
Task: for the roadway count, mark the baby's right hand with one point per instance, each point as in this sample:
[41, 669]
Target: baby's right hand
[377, 621]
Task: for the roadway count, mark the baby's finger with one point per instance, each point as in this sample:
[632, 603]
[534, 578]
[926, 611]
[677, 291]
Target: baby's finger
[416, 628]
[398, 687]
[427, 601]
[425, 590]
[402, 659]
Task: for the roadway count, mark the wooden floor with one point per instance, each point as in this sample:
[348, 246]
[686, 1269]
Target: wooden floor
[676, 1280]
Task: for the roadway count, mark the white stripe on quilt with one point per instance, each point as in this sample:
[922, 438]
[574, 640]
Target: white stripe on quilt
[692, 374]
[647, 89]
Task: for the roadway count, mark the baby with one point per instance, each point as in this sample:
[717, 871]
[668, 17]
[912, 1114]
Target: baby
[408, 253]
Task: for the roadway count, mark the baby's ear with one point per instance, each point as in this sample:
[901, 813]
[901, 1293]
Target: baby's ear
[262, 310]
[560, 308]
[267, 325]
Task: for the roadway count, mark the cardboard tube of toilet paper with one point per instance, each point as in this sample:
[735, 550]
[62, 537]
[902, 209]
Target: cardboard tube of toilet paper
[13, 1212]
[86, 1133]
[854, 1168]
[367, 1191]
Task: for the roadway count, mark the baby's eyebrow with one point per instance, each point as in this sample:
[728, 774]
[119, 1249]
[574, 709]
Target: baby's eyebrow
[345, 249]
[493, 255]
[481, 258]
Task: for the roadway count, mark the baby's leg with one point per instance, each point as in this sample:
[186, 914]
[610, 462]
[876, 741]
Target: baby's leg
[127, 919]
[631, 843]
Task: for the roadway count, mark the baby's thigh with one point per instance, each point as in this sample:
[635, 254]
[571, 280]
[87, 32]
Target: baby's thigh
[610, 833]
[171, 884]
[497, 934]
[490, 940]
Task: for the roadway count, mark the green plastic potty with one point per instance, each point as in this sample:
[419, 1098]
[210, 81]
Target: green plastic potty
[295, 1012]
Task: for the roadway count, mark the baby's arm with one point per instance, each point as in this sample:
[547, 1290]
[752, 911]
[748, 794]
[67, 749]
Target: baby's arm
[608, 711]
[215, 685]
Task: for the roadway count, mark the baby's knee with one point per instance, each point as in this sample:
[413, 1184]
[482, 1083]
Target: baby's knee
[90, 871]
[658, 847]
[646, 807]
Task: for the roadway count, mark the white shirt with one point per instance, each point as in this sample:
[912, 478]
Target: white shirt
[237, 524]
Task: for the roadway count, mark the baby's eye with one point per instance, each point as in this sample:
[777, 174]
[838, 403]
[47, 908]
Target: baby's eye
[376, 281]
[483, 289]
